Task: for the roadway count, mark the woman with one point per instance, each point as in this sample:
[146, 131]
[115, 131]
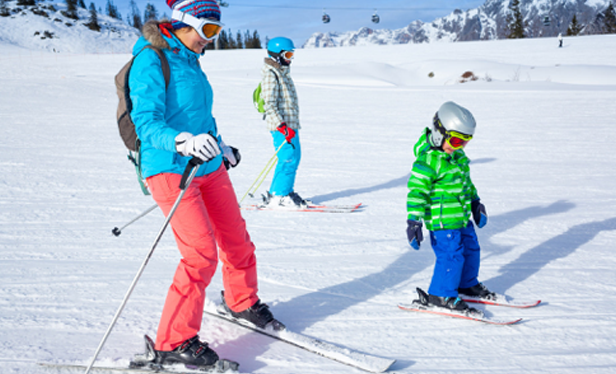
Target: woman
[174, 124]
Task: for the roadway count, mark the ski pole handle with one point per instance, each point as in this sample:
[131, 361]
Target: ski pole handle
[194, 162]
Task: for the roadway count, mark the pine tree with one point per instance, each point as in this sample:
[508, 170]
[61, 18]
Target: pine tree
[247, 40]
[239, 43]
[93, 20]
[230, 41]
[112, 10]
[515, 21]
[135, 17]
[256, 40]
[223, 41]
[82, 4]
[609, 19]
[574, 27]
[26, 2]
[150, 13]
[4, 10]
[71, 9]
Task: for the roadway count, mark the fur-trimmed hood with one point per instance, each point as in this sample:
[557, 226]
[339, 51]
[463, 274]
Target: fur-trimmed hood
[271, 62]
[151, 33]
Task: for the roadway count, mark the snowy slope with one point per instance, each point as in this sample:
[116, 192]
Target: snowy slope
[44, 27]
[543, 163]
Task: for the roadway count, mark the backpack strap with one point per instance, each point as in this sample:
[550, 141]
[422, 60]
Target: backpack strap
[165, 68]
[135, 157]
[163, 61]
[279, 87]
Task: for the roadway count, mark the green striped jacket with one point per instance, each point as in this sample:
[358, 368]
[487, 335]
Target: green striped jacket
[440, 187]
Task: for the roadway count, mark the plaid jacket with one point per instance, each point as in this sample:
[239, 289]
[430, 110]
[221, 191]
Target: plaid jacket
[278, 92]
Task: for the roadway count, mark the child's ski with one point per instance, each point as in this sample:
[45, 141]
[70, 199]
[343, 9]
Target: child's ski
[310, 208]
[343, 355]
[418, 307]
[500, 300]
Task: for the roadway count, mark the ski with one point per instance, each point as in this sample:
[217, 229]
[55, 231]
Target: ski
[174, 369]
[418, 307]
[500, 300]
[310, 208]
[343, 355]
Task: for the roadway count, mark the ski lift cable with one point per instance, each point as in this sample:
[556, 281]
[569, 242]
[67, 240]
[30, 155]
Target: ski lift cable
[234, 4]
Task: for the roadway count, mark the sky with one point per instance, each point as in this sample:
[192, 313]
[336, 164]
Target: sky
[298, 20]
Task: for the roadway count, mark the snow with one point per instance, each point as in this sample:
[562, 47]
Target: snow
[543, 163]
[45, 27]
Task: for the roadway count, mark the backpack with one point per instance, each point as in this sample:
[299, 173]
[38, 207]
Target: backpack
[257, 99]
[125, 106]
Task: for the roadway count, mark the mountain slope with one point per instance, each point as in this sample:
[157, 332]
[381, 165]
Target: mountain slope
[43, 26]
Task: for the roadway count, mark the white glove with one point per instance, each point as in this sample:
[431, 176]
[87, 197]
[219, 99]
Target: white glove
[202, 146]
[230, 154]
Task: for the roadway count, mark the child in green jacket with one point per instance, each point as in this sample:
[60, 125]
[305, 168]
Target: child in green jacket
[444, 197]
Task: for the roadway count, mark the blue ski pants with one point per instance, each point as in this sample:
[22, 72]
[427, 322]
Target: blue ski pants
[457, 260]
[288, 162]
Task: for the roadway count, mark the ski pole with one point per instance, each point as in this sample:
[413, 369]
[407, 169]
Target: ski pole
[272, 161]
[187, 177]
[263, 179]
[117, 231]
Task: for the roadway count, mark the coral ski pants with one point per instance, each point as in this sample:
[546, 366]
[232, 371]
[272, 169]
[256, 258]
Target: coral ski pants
[208, 215]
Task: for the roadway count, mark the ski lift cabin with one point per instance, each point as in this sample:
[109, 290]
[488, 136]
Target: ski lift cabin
[546, 21]
[325, 18]
[376, 18]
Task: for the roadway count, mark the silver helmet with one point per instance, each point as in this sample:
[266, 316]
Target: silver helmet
[451, 117]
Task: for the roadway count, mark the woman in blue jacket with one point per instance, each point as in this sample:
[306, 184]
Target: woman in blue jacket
[174, 124]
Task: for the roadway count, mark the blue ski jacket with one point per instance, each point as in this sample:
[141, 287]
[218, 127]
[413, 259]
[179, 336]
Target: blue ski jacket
[160, 113]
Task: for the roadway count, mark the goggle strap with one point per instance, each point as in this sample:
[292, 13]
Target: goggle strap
[178, 15]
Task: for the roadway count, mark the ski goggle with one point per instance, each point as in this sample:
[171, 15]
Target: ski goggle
[287, 55]
[457, 140]
[206, 28]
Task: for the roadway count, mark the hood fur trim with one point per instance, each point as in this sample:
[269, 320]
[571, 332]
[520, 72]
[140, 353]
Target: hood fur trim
[152, 34]
[269, 61]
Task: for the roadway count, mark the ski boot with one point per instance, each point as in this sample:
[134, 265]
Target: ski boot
[193, 354]
[478, 290]
[298, 200]
[454, 304]
[258, 315]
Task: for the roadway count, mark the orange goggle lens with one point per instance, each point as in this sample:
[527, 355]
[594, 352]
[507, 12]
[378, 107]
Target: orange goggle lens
[288, 55]
[210, 30]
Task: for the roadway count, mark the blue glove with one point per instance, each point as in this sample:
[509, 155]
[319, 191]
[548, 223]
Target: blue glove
[414, 233]
[479, 213]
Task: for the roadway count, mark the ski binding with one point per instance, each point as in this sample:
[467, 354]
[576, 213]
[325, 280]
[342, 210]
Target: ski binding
[422, 306]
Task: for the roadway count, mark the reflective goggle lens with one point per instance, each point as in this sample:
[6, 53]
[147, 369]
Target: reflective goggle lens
[458, 140]
[288, 55]
[211, 30]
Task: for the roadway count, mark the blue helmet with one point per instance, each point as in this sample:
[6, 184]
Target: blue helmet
[279, 44]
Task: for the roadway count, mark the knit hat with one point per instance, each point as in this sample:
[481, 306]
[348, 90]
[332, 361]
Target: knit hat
[196, 8]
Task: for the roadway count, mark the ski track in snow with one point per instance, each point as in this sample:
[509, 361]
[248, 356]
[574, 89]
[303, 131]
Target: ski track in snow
[543, 163]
